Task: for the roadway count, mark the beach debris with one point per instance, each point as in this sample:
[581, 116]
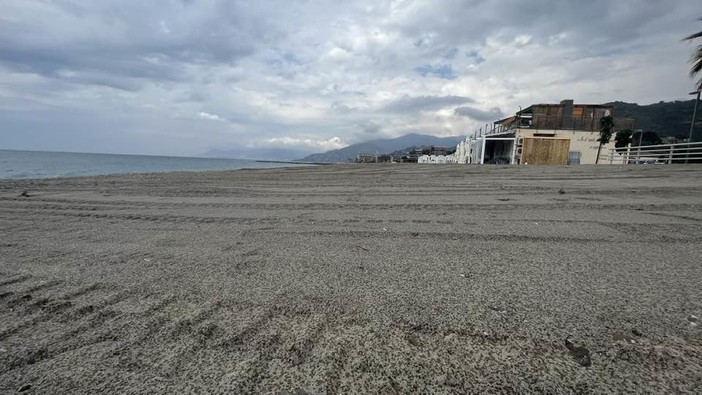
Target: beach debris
[636, 332]
[414, 340]
[24, 194]
[25, 387]
[414, 234]
[561, 191]
[581, 355]
[693, 320]
[504, 199]
[363, 248]
[569, 343]
[385, 228]
[147, 259]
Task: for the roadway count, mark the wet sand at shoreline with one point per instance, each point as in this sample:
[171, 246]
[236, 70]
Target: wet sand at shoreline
[337, 279]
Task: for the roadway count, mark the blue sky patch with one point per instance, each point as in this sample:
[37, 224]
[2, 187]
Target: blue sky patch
[444, 71]
[477, 57]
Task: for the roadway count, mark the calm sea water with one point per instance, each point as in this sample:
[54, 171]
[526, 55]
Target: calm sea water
[36, 164]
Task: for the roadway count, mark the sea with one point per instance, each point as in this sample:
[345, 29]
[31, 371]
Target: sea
[40, 164]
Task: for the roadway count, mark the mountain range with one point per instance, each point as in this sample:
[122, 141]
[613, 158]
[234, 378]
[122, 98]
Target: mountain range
[383, 146]
[667, 119]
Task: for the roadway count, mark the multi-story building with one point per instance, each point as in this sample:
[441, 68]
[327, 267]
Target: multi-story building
[564, 133]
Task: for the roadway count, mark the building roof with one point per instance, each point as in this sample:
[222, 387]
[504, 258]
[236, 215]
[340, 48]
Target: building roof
[530, 109]
[505, 120]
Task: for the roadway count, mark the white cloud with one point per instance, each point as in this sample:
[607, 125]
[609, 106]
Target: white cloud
[211, 117]
[329, 144]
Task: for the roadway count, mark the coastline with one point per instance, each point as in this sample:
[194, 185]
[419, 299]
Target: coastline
[16, 165]
[341, 278]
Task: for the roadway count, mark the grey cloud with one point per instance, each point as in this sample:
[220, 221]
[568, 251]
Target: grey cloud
[419, 103]
[369, 127]
[342, 108]
[589, 24]
[128, 41]
[478, 114]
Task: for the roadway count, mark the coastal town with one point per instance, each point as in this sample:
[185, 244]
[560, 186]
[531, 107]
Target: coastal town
[550, 134]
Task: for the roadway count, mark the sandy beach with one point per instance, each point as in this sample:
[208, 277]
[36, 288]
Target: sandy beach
[354, 279]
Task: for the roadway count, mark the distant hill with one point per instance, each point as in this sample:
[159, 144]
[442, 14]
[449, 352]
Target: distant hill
[382, 146]
[665, 118]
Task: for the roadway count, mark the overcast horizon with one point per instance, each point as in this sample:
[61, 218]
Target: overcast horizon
[285, 79]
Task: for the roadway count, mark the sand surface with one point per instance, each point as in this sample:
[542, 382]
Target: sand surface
[367, 279]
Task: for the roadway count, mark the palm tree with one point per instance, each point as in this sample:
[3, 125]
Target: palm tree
[606, 129]
[696, 58]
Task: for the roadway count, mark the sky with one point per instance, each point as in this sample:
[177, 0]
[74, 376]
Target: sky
[282, 79]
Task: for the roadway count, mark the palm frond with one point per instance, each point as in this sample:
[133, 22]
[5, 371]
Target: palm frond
[693, 36]
[696, 61]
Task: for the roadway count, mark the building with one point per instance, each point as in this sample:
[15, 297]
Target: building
[564, 133]
[366, 157]
[442, 159]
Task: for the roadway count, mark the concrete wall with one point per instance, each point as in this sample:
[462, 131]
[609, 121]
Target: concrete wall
[583, 141]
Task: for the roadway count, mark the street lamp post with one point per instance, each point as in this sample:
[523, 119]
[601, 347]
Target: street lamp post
[692, 124]
[694, 115]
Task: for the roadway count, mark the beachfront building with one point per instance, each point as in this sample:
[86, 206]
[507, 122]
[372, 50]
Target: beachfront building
[564, 133]
[437, 159]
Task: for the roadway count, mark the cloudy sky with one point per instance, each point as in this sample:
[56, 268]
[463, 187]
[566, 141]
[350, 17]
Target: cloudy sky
[284, 78]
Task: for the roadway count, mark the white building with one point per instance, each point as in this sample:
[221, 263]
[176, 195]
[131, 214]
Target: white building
[437, 159]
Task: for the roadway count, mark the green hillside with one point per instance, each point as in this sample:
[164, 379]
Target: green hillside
[664, 118]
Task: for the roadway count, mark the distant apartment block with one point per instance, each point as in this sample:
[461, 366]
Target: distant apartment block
[372, 158]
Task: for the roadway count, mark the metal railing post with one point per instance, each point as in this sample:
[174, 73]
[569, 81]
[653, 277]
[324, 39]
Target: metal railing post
[670, 155]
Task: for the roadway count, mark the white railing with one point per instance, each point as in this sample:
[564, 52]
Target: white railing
[662, 153]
